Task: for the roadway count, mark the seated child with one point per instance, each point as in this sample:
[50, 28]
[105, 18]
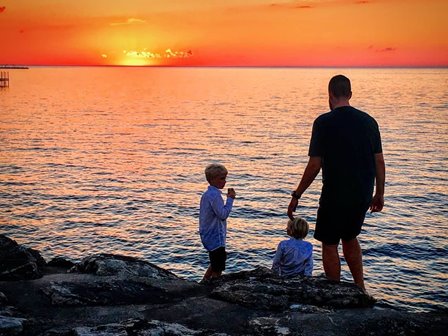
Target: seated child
[213, 213]
[294, 256]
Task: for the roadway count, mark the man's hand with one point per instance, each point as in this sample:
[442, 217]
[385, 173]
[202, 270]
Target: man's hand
[292, 207]
[377, 203]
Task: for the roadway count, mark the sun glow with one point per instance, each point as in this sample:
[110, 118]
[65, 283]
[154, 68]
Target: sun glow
[136, 58]
[229, 33]
[145, 57]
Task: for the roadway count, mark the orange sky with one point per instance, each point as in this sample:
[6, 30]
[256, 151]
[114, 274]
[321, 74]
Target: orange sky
[224, 33]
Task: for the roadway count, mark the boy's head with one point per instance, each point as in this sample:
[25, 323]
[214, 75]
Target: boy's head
[216, 174]
[297, 228]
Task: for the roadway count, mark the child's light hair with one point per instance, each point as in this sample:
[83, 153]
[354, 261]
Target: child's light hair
[298, 228]
[213, 170]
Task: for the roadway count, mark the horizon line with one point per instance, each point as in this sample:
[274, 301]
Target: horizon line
[234, 66]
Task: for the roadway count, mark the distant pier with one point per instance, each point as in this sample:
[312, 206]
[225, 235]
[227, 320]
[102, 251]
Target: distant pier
[4, 79]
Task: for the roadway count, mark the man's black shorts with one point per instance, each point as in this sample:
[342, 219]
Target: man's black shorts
[336, 223]
[218, 259]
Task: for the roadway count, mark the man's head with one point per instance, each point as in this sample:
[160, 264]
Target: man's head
[340, 87]
[339, 91]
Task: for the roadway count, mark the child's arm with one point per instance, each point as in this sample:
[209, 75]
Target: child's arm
[277, 259]
[309, 264]
[221, 210]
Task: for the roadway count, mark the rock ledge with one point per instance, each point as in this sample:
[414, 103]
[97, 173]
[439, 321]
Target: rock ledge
[108, 295]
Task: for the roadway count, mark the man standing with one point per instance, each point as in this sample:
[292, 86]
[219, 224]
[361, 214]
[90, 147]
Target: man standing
[346, 144]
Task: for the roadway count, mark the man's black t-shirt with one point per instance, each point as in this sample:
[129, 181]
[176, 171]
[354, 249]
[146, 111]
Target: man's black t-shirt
[347, 140]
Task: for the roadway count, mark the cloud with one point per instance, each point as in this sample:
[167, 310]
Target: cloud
[2, 9]
[129, 21]
[381, 50]
[309, 4]
[177, 54]
[290, 6]
[389, 49]
[168, 53]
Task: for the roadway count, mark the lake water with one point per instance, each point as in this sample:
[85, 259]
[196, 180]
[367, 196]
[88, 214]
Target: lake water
[112, 159]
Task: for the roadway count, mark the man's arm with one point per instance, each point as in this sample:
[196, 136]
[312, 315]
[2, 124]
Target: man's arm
[310, 173]
[380, 177]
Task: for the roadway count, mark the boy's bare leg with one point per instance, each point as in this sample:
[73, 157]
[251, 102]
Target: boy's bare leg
[331, 262]
[216, 274]
[353, 256]
[208, 273]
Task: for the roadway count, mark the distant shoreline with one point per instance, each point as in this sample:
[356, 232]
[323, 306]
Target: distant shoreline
[13, 67]
[217, 66]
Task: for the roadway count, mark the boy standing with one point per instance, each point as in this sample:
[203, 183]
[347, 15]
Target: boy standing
[212, 219]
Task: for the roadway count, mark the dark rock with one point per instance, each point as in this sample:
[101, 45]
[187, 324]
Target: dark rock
[18, 262]
[60, 262]
[11, 325]
[8, 311]
[117, 295]
[3, 299]
[113, 291]
[202, 312]
[118, 265]
[142, 327]
[40, 261]
[267, 326]
[116, 280]
[262, 289]
[368, 321]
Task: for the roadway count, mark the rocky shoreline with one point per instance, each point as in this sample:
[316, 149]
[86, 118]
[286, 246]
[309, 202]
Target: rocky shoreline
[112, 295]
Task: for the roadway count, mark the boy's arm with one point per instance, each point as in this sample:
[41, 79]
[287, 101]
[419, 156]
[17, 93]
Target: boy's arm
[277, 258]
[309, 264]
[221, 210]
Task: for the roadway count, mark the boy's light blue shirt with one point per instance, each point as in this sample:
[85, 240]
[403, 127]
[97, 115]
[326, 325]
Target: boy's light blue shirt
[293, 257]
[212, 218]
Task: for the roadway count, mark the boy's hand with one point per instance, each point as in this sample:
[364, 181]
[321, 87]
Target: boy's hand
[231, 193]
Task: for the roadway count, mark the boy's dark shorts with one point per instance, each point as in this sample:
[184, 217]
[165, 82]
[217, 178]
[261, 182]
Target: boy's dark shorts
[218, 259]
[336, 223]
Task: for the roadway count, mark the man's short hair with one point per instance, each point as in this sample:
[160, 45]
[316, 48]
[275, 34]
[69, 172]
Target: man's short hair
[340, 86]
[213, 170]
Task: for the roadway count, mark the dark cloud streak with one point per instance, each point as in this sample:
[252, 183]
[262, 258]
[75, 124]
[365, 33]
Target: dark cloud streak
[382, 50]
[386, 49]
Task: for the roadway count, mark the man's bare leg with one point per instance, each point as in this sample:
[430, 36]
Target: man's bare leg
[331, 262]
[353, 256]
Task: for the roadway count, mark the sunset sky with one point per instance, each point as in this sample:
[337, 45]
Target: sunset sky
[224, 32]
